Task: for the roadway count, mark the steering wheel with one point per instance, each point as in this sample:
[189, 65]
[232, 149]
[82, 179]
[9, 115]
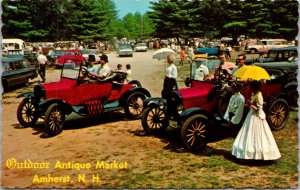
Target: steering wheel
[85, 72]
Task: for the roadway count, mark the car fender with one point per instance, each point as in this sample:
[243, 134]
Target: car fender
[268, 100]
[290, 86]
[154, 102]
[26, 95]
[67, 108]
[192, 111]
[133, 90]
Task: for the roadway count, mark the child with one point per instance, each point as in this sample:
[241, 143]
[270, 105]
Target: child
[128, 71]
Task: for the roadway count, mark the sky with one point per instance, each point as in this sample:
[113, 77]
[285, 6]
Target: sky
[132, 6]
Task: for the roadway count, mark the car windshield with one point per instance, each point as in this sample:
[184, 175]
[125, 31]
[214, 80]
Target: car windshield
[126, 46]
[196, 69]
[141, 44]
[55, 52]
[70, 70]
[88, 51]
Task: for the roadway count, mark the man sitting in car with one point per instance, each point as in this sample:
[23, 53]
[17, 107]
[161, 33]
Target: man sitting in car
[104, 70]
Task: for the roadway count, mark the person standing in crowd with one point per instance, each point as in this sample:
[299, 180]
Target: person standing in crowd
[182, 55]
[42, 61]
[240, 62]
[255, 140]
[235, 110]
[129, 72]
[170, 83]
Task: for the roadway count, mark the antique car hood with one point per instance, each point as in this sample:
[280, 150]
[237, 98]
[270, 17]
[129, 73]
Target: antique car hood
[197, 95]
[61, 90]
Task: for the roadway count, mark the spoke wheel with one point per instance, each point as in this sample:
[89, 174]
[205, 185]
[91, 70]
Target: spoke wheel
[54, 119]
[134, 105]
[27, 113]
[278, 114]
[194, 132]
[154, 120]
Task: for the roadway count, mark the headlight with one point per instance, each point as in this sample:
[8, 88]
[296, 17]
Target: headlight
[180, 108]
[161, 104]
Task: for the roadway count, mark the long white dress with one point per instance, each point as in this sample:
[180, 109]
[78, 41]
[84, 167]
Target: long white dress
[255, 139]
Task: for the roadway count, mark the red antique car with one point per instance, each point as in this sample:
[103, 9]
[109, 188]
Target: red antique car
[69, 55]
[77, 93]
[205, 102]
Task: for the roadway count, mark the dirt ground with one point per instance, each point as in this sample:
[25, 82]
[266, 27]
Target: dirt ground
[108, 151]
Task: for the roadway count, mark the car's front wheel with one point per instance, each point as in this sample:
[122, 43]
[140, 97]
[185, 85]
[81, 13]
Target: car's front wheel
[194, 132]
[54, 119]
[278, 114]
[27, 113]
[154, 120]
[134, 105]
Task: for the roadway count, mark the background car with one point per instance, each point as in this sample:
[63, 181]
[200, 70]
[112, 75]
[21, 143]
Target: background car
[74, 55]
[16, 71]
[276, 55]
[53, 55]
[87, 52]
[141, 47]
[125, 50]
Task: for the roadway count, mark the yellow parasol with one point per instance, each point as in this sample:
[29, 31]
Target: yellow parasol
[252, 72]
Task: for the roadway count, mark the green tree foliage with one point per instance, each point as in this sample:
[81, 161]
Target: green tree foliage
[215, 18]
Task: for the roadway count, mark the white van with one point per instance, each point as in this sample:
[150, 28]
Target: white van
[13, 45]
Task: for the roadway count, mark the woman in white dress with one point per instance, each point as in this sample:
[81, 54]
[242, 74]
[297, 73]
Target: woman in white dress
[255, 140]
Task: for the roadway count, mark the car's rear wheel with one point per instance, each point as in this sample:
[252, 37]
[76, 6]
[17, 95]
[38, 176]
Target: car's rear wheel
[27, 113]
[194, 132]
[278, 114]
[154, 120]
[134, 105]
[54, 119]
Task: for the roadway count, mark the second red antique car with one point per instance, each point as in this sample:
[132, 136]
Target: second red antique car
[198, 110]
[77, 93]
[69, 55]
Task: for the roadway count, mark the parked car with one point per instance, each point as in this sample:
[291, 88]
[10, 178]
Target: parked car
[73, 54]
[141, 47]
[16, 71]
[87, 52]
[75, 92]
[53, 55]
[276, 55]
[125, 50]
[212, 51]
[265, 45]
[198, 110]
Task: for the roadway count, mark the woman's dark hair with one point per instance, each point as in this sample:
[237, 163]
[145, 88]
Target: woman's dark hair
[255, 85]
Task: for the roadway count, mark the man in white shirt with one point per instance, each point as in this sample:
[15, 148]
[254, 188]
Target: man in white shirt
[235, 110]
[42, 61]
[201, 71]
[104, 70]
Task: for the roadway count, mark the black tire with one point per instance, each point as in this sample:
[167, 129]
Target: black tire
[194, 132]
[27, 113]
[278, 114]
[136, 83]
[253, 51]
[154, 120]
[134, 105]
[54, 119]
